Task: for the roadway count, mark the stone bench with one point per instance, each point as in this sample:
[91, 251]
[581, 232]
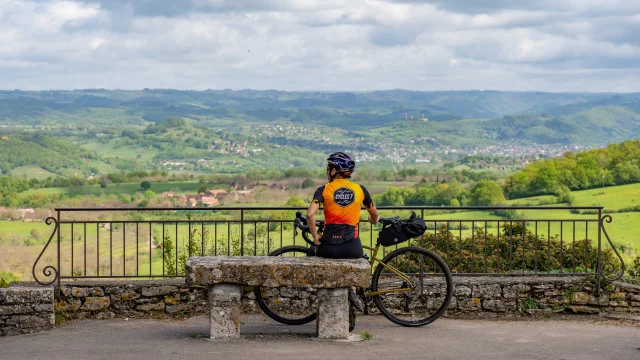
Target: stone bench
[226, 275]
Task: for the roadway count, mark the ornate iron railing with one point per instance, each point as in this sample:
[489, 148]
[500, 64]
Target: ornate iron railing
[154, 242]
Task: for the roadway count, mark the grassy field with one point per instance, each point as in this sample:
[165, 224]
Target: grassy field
[111, 150]
[31, 171]
[612, 198]
[621, 230]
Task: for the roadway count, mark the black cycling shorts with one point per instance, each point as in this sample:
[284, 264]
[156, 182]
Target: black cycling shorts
[351, 249]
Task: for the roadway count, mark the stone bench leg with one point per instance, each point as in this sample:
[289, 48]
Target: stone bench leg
[333, 314]
[224, 303]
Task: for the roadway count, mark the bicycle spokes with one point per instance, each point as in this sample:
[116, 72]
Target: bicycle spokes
[413, 288]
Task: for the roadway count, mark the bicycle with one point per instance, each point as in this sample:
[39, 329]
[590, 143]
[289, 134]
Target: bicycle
[400, 288]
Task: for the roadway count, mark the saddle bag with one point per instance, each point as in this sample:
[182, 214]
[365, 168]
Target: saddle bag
[401, 231]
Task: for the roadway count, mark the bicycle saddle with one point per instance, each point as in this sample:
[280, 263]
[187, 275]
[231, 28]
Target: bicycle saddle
[387, 221]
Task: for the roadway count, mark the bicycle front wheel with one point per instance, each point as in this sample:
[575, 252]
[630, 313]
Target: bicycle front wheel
[289, 306]
[412, 286]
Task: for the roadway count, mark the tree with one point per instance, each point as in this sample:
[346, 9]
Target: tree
[446, 192]
[124, 198]
[145, 185]
[408, 172]
[308, 183]
[202, 189]
[116, 178]
[295, 201]
[396, 196]
[422, 196]
[384, 174]
[546, 179]
[149, 195]
[486, 193]
[104, 181]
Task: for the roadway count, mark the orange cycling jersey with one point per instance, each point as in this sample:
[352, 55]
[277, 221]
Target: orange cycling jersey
[342, 200]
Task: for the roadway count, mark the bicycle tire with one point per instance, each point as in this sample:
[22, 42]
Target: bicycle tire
[377, 299]
[262, 303]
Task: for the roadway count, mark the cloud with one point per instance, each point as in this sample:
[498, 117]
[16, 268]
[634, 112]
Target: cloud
[574, 45]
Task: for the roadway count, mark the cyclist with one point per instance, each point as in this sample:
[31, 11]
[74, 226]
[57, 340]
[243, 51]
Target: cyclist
[342, 201]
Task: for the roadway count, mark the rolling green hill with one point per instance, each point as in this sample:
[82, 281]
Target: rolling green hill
[31, 154]
[548, 117]
[332, 108]
[114, 130]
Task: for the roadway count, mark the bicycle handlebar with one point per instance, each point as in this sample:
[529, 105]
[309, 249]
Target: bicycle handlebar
[301, 223]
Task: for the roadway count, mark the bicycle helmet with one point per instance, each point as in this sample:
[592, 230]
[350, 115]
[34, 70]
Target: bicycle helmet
[342, 162]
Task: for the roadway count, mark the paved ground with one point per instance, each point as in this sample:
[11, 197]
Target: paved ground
[264, 339]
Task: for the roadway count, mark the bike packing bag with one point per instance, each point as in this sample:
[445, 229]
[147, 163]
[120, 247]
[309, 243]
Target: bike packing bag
[336, 234]
[401, 231]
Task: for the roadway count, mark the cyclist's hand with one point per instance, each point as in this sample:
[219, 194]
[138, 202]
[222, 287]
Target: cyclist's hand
[316, 239]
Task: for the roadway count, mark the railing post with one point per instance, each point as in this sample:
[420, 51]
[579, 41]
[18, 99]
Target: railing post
[241, 232]
[421, 277]
[599, 259]
[59, 254]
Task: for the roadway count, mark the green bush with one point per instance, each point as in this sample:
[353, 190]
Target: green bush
[308, 183]
[513, 249]
[634, 269]
[6, 278]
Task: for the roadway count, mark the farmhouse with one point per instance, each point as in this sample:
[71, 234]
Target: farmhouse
[23, 212]
[209, 201]
[216, 193]
[36, 216]
[197, 200]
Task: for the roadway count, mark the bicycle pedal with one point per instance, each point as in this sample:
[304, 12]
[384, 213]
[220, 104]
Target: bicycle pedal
[355, 301]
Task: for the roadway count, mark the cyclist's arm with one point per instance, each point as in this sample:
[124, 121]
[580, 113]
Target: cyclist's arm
[311, 218]
[311, 213]
[374, 217]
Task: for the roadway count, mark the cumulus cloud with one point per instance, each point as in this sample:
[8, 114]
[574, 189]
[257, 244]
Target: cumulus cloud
[573, 45]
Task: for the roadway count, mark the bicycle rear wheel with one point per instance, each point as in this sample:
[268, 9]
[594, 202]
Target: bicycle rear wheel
[428, 284]
[286, 305]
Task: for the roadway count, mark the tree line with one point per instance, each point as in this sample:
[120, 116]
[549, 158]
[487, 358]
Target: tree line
[482, 193]
[616, 164]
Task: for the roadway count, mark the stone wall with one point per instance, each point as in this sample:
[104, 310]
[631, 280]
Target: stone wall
[535, 296]
[153, 299]
[473, 297]
[108, 299]
[25, 310]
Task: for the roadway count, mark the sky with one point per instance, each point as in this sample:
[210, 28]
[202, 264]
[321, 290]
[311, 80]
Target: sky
[326, 45]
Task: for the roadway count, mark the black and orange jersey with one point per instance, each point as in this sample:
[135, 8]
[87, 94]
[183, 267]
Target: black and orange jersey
[342, 201]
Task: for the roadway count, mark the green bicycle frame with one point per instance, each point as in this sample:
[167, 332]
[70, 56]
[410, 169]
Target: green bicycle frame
[403, 276]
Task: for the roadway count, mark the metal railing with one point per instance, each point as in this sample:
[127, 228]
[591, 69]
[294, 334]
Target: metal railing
[103, 243]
